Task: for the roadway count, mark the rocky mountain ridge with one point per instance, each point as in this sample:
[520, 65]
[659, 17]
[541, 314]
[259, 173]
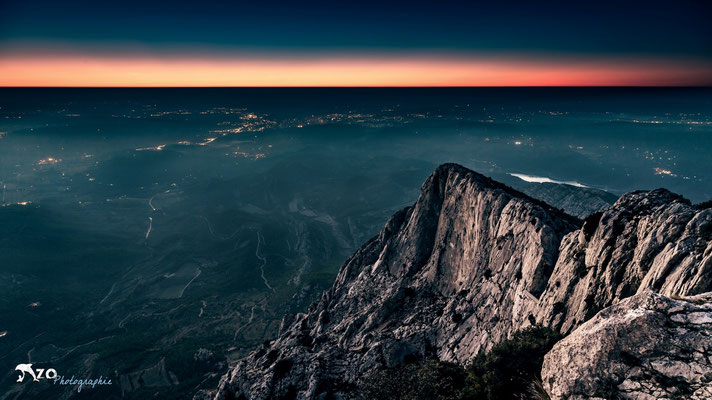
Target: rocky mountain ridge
[468, 264]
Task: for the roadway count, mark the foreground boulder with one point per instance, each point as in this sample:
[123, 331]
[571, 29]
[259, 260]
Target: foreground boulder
[646, 347]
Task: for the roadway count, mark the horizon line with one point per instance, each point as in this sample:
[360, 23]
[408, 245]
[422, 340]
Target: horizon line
[413, 71]
[703, 86]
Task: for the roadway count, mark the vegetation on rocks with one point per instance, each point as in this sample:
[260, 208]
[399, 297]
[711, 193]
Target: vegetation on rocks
[510, 370]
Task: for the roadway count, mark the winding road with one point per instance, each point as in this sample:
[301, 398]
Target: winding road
[263, 259]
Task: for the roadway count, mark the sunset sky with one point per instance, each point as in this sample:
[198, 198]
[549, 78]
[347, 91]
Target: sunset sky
[366, 43]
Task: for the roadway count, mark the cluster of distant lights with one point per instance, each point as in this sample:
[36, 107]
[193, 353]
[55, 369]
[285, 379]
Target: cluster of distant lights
[19, 203]
[157, 148]
[388, 116]
[368, 120]
[150, 111]
[49, 161]
[648, 155]
[673, 122]
[224, 111]
[251, 122]
[662, 171]
[254, 123]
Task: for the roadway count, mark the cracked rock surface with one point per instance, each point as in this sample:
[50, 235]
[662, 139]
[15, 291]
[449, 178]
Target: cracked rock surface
[652, 240]
[646, 347]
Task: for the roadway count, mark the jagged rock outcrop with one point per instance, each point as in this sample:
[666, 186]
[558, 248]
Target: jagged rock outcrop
[651, 240]
[646, 347]
[471, 262]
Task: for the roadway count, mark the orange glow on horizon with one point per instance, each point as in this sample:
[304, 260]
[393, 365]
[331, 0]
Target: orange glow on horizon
[144, 71]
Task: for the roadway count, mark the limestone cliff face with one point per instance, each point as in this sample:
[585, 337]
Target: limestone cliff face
[469, 263]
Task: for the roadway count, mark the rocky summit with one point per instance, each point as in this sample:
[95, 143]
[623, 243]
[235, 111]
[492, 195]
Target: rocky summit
[471, 262]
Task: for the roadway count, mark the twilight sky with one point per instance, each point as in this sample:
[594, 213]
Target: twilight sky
[347, 43]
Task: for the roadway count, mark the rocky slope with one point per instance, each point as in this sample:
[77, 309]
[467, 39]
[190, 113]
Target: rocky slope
[469, 263]
[577, 201]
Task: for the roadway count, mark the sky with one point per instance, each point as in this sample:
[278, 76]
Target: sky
[347, 43]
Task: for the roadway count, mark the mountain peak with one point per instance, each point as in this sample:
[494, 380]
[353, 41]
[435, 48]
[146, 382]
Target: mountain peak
[446, 170]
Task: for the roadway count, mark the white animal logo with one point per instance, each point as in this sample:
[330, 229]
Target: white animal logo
[26, 368]
[36, 374]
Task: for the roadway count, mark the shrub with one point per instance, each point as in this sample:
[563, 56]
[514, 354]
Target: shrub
[510, 371]
[507, 371]
[433, 380]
